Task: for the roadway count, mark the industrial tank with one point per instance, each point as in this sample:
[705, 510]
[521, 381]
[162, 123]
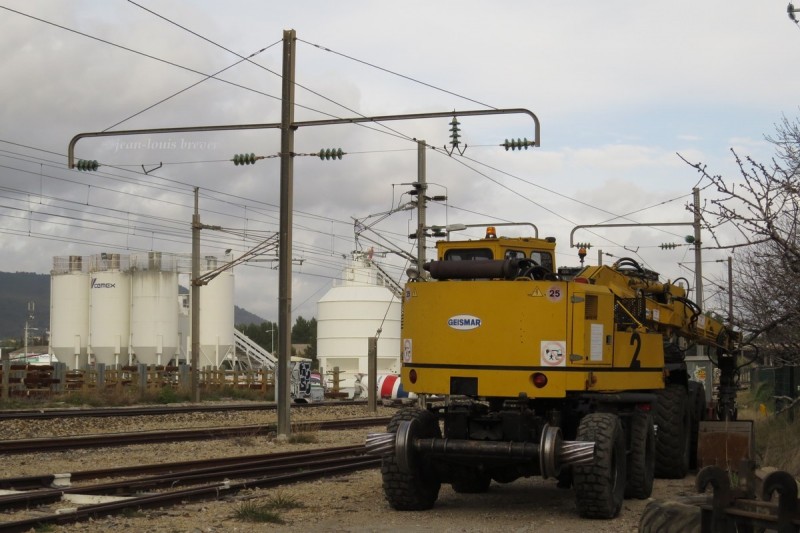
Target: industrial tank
[69, 311]
[349, 314]
[154, 308]
[110, 304]
[216, 316]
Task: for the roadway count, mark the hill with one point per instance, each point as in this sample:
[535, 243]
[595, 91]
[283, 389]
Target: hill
[243, 316]
[19, 288]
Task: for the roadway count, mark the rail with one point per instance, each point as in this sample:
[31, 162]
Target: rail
[114, 412]
[209, 481]
[149, 437]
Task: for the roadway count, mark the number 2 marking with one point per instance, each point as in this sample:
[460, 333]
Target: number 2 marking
[637, 340]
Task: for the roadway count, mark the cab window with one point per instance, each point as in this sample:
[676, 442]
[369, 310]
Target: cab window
[468, 254]
[543, 259]
[515, 254]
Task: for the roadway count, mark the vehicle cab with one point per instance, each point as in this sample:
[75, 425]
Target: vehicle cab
[492, 247]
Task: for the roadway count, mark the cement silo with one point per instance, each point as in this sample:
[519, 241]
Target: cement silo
[154, 308]
[349, 314]
[216, 316]
[110, 308]
[69, 311]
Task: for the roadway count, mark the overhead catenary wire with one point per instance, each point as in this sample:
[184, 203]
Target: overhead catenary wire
[183, 191]
[211, 76]
[173, 95]
[321, 217]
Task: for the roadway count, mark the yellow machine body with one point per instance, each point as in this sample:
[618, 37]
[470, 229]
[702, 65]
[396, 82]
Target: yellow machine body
[602, 331]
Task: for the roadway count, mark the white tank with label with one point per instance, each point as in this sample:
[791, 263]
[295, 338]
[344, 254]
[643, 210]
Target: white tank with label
[154, 308]
[69, 311]
[349, 314]
[110, 304]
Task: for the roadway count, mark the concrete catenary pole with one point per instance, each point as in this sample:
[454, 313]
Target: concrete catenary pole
[285, 239]
[196, 298]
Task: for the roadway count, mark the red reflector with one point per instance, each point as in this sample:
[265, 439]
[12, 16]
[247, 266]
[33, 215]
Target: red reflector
[580, 280]
[539, 380]
[412, 375]
[645, 407]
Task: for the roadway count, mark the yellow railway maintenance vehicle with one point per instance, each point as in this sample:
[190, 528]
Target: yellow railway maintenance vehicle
[578, 377]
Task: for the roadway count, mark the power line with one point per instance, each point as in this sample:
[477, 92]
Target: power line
[173, 95]
[403, 136]
[316, 93]
[396, 74]
[137, 52]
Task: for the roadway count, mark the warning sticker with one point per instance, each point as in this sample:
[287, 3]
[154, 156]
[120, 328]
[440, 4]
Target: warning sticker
[536, 293]
[553, 353]
[406, 350]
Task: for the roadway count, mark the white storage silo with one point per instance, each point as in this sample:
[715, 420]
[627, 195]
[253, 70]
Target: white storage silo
[154, 308]
[69, 311]
[110, 304]
[349, 314]
[216, 317]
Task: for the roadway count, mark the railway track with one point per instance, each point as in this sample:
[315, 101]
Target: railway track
[104, 412]
[146, 486]
[159, 436]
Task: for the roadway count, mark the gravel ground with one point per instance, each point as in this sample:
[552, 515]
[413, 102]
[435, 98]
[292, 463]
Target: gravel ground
[350, 503]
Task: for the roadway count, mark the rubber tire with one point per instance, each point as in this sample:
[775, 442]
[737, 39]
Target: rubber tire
[600, 486]
[418, 490]
[697, 393]
[471, 481]
[671, 516]
[642, 456]
[673, 436]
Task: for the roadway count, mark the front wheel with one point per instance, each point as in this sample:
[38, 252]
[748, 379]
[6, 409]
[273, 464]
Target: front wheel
[600, 486]
[415, 487]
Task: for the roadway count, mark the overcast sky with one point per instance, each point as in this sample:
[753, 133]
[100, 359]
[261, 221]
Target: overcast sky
[620, 89]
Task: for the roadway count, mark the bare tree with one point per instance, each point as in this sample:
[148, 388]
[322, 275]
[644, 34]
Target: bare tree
[763, 205]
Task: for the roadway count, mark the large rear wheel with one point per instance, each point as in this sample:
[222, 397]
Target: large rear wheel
[697, 395]
[673, 437]
[600, 486]
[415, 486]
[642, 456]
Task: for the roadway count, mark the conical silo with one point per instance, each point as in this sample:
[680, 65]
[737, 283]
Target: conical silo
[110, 304]
[154, 308]
[69, 311]
[349, 314]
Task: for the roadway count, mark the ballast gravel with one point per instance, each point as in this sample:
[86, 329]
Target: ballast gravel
[347, 503]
